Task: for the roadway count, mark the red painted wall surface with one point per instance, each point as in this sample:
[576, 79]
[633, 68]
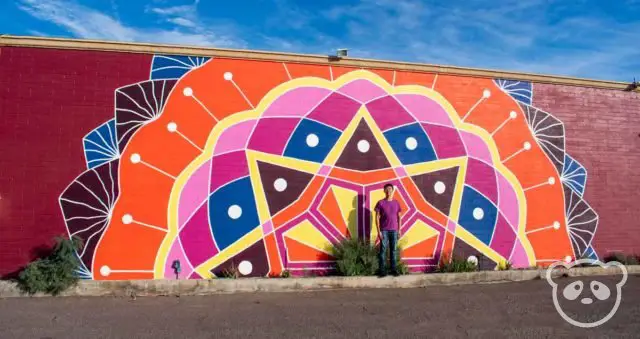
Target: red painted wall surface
[603, 133]
[49, 99]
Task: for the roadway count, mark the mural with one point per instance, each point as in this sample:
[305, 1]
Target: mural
[264, 166]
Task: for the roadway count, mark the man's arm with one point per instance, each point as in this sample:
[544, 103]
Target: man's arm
[377, 212]
[399, 211]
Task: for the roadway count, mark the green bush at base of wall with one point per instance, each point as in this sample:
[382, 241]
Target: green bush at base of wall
[54, 273]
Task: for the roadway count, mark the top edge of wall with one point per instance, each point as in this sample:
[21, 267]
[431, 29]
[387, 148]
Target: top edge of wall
[135, 47]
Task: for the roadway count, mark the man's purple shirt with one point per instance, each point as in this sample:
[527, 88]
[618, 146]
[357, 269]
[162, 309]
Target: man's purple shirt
[388, 211]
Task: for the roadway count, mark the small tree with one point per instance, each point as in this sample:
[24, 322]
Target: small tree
[54, 273]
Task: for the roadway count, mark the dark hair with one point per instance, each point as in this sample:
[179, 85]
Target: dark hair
[387, 185]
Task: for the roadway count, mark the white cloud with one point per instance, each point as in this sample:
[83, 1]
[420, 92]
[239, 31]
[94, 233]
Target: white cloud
[523, 35]
[85, 22]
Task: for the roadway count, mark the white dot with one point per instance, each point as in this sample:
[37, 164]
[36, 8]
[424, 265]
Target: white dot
[486, 93]
[280, 185]
[527, 145]
[127, 219]
[439, 187]
[105, 271]
[187, 91]
[567, 259]
[228, 76]
[411, 143]
[513, 115]
[478, 213]
[172, 127]
[135, 158]
[556, 225]
[245, 267]
[312, 140]
[234, 212]
[472, 259]
[552, 180]
[363, 146]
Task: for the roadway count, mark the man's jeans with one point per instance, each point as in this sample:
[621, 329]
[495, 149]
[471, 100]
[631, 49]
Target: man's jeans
[389, 239]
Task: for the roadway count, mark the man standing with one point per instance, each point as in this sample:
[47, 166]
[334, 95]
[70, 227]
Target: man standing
[388, 222]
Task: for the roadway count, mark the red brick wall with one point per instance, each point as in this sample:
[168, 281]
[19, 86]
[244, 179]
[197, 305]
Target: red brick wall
[603, 133]
[49, 99]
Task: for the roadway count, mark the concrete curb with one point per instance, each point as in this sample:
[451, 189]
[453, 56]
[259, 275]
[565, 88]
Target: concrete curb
[90, 288]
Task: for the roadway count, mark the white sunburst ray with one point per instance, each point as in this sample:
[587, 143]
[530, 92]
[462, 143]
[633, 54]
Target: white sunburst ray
[545, 143]
[104, 218]
[146, 99]
[149, 114]
[163, 97]
[595, 218]
[577, 168]
[171, 58]
[101, 147]
[169, 67]
[112, 183]
[129, 131]
[83, 204]
[577, 239]
[537, 122]
[575, 229]
[550, 136]
[108, 155]
[96, 162]
[112, 135]
[93, 194]
[106, 143]
[573, 217]
[154, 96]
[548, 126]
[574, 184]
[104, 188]
[84, 217]
[571, 207]
[146, 117]
[574, 174]
[84, 249]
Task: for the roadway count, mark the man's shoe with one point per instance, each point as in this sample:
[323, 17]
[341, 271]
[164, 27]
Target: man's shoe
[395, 273]
[382, 274]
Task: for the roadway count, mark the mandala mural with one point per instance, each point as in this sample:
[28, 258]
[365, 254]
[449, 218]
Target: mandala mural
[265, 166]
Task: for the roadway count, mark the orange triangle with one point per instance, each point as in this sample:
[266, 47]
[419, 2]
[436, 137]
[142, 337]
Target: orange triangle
[330, 209]
[297, 251]
[423, 249]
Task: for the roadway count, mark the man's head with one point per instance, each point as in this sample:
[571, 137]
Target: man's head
[388, 190]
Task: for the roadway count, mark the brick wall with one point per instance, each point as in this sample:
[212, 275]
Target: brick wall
[603, 133]
[49, 99]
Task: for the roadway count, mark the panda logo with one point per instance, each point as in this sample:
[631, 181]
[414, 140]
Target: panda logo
[586, 302]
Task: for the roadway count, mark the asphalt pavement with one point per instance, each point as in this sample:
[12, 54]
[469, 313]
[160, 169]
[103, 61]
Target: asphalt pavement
[512, 310]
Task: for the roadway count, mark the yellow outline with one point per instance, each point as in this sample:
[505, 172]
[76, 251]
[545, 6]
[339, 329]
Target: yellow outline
[256, 181]
[273, 94]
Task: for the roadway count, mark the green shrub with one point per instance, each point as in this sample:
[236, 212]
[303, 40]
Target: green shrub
[401, 266]
[622, 258]
[355, 257]
[54, 273]
[455, 265]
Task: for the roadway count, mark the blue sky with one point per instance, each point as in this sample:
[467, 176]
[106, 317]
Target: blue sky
[585, 38]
